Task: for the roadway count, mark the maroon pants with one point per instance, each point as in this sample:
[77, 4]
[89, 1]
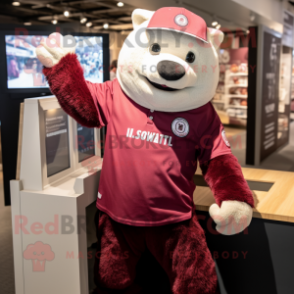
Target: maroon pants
[180, 249]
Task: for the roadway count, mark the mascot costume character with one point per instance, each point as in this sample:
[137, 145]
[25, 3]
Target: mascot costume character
[160, 123]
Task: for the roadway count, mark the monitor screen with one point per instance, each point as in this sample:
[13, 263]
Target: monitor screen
[90, 54]
[57, 141]
[86, 142]
[24, 70]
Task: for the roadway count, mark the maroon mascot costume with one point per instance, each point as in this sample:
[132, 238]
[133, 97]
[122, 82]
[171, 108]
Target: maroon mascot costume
[160, 123]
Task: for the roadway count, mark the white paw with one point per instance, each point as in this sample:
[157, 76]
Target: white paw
[51, 50]
[232, 217]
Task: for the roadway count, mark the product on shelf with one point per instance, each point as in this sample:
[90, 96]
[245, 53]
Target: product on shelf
[220, 88]
[234, 68]
[243, 68]
[217, 96]
[238, 91]
[238, 101]
[231, 112]
[235, 101]
[241, 113]
[231, 96]
[236, 80]
[244, 102]
[244, 91]
[237, 112]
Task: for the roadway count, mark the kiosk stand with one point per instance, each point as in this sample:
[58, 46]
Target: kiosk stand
[53, 201]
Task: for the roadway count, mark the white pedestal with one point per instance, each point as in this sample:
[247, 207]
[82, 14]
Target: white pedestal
[52, 216]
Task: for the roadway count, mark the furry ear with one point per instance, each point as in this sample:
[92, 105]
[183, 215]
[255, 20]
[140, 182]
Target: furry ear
[140, 15]
[215, 37]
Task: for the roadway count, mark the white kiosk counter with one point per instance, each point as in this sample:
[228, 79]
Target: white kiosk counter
[53, 201]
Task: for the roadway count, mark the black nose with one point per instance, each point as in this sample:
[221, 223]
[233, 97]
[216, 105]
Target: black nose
[170, 71]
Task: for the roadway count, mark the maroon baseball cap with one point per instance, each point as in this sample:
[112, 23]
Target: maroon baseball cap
[179, 20]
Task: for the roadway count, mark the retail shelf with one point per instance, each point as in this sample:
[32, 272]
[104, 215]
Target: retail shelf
[237, 85]
[237, 116]
[218, 101]
[237, 96]
[238, 106]
[239, 74]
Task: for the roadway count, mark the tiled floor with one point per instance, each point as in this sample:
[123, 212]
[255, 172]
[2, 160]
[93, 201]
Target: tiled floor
[283, 159]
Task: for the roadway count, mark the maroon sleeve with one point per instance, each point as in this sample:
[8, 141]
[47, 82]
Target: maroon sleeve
[67, 83]
[211, 137]
[223, 175]
[220, 167]
[102, 95]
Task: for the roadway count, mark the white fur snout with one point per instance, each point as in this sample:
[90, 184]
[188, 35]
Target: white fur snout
[149, 69]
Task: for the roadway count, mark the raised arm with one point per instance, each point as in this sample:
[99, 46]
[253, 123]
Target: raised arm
[66, 80]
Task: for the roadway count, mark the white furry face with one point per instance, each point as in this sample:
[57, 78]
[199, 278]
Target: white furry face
[167, 80]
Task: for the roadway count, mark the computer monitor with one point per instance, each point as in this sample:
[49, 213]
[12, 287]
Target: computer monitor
[86, 142]
[24, 70]
[53, 145]
[56, 141]
[89, 50]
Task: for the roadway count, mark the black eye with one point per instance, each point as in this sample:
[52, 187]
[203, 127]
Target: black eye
[155, 48]
[190, 57]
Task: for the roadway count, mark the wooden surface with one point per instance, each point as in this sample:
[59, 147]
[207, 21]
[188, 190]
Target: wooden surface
[230, 131]
[225, 119]
[276, 204]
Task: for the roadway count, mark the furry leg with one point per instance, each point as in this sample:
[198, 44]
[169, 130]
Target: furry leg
[182, 251]
[118, 252]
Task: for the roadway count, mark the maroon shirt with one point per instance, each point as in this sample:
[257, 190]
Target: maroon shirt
[151, 156]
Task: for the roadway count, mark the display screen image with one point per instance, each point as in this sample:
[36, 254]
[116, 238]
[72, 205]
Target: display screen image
[90, 55]
[57, 141]
[24, 70]
[86, 142]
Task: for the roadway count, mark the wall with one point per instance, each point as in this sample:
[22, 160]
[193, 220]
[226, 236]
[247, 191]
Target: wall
[230, 13]
[115, 41]
[0, 152]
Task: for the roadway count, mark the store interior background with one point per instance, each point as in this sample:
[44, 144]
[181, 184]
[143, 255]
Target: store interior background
[230, 101]
[235, 17]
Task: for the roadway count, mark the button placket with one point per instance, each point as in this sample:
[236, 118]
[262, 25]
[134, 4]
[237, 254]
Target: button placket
[150, 116]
